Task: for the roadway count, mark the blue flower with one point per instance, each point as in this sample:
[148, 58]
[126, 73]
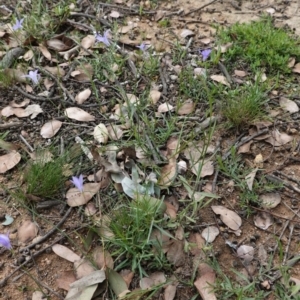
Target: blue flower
[103, 38]
[205, 54]
[18, 24]
[143, 47]
[4, 241]
[78, 182]
[34, 76]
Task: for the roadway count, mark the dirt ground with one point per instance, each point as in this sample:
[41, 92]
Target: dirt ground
[46, 266]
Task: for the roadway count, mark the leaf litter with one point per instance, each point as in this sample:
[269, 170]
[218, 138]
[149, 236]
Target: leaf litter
[117, 106]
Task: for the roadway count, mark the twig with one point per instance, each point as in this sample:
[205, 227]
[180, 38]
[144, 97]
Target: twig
[291, 227]
[102, 21]
[163, 80]
[25, 142]
[275, 179]
[199, 8]
[10, 125]
[287, 177]
[57, 81]
[281, 234]
[49, 233]
[36, 98]
[79, 24]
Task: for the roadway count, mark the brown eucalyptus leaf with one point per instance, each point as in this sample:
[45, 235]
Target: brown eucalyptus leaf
[288, 105]
[154, 96]
[263, 220]
[45, 51]
[186, 108]
[228, 217]
[65, 252]
[245, 252]
[78, 114]
[83, 96]
[168, 173]
[65, 278]
[220, 79]
[27, 231]
[50, 129]
[102, 258]
[114, 132]
[210, 233]
[165, 107]
[250, 178]
[278, 139]
[8, 161]
[77, 198]
[270, 200]
[57, 71]
[205, 282]
[101, 133]
[88, 41]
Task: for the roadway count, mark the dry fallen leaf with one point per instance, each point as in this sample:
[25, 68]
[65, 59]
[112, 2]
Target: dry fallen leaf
[263, 220]
[102, 258]
[270, 200]
[50, 129]
[288, 105]
[27, 231]
[220, 78]
[165, 107]
[77, 198]
[246, 253]
[245, 148]
[83, 96]
[297, 68]
[186, 108]
[250, 178]
[240, 73]
[154, 96]
[186, 32]
[228, 217]
[114, 132]
[8, 161]
[78, 114]
[88, 41]
[204, 283]
[65, 252]
[210, 233]
[101, 134]
[175, 254]
[278, 139]
[168, 173]
[64, 279]
[45, 51]
[57, 71]
[83, 268]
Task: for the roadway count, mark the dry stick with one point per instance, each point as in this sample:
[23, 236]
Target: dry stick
[57, 81]
[25, 142]
[4, 280]
[37, 98]
[79, 24]
[163, 80]
[49, 233]
[275, 179]
[287, 177]
[10, 125]
[248, 139]
[102, 21]
[199, 8]
[281, 234]
[291, 227]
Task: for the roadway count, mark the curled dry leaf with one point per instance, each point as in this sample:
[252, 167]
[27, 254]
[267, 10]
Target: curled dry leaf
[278, 139]
[101, 133]
[83, 73]
[250, 178]
[245, 148]
[60, 43]
[186, 108]
[186, 32]
[210, 233]
[263, 220]
[154, 96]
[228, 217]
[83, 96]
[168, 173]
[28, 55]
[220, 78]
[8, 161]
[77, 198]
[33, 110]
[297, 68]
[114, 132]
[245, 252]
[65, 253]
[57, 71]
[270, 200]
[50, 129]
[88, 41]
[45, 51]
[165, 107]
[204, 283]
[288, 105]
[27, 231]
[78, 114]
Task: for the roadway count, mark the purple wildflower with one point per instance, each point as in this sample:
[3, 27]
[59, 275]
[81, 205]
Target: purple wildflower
[34, 76]
[18, 24]
[143, 47]
[4, 241]
[205, 54]
[78, 182]
[103, 39]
